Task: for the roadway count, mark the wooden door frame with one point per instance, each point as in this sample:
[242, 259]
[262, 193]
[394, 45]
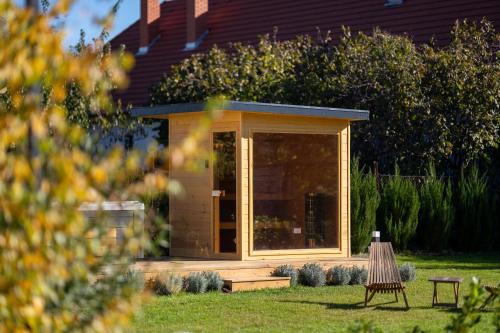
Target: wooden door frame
[215, 208]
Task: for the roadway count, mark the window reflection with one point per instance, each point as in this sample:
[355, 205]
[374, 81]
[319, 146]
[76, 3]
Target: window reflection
[295, 184]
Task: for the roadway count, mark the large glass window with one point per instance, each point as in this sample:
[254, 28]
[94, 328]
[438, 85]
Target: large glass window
[295, 191]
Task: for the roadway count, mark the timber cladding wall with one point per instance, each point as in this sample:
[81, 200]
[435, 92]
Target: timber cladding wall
[191, 215]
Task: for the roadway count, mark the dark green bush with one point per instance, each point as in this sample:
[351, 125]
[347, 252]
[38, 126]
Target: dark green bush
[167, 283]
[398, 211]
[474, 213]
[409, 89]
[365, 200]
[196, 283]
[436, 212]
[408, 272]
[214, 281]
[287, 271]
[359, 275]
[338, 275]
[312, 275]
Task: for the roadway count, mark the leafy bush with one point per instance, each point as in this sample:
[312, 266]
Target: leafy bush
[436, 212]
[474, 218]
[359, 275]
[408, 272]
[365, 200]
[214, 281]
[408, 89]
[167, 283]
[398, 211]
[312, 275]
[196, 283]
[287, 271]
[338, 275]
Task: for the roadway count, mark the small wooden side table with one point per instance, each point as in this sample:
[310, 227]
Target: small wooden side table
[456, 286]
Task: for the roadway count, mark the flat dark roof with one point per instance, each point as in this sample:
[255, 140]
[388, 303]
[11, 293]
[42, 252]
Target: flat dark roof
[280, 109]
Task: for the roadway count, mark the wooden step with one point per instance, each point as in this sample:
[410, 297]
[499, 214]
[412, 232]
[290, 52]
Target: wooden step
[254, 283]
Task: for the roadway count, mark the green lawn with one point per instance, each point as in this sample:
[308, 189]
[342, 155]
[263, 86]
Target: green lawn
[325, 309]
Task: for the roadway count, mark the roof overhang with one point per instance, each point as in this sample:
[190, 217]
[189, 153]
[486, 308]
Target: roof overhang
[161, 111]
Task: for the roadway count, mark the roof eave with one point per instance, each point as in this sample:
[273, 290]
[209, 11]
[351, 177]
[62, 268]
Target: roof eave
[269, 108]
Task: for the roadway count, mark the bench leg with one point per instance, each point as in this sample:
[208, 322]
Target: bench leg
[366, 297]
[487, 301]
[396, 294]
[371, 295]
[406, 300]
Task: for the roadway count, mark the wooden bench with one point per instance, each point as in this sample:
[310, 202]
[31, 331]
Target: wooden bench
[493, 294]
[456, 286]
[383, 273]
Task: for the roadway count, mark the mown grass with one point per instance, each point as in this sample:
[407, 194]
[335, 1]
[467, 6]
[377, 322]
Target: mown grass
[325, 309]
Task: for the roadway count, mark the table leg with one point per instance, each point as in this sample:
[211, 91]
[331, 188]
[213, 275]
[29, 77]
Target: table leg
[434, 295]
[456, 292]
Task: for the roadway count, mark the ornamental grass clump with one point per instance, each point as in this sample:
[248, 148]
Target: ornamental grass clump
[338, 275]
[287, 271]
[167, 284]
[135, 279]
[196, 283]
[359, 275]
[312, 275]
[408, 272]
[214, 281]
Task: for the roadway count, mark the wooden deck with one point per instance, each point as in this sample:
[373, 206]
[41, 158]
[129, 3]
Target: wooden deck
[233, 269]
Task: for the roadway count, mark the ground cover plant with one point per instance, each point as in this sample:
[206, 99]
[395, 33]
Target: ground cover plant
[324, 309]
[287, 271]
[338, 275]
[312, 275]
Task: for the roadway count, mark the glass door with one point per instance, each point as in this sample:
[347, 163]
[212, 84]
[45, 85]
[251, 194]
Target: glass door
[224, 191]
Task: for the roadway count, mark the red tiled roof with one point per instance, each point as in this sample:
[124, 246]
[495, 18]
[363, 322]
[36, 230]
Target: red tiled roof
[244, 20]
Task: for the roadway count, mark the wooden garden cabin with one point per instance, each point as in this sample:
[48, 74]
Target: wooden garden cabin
[277, 187]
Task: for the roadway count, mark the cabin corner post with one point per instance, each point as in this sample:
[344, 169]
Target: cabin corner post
[349, 189]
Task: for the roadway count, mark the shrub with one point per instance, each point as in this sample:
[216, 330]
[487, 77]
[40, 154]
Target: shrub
[167, 283]
[338, 275]
[359, 275]
[436, 212]
[398, 212]
[365, 200]
[408, 272]
[214, 281]
[196, 283]
[136, 279]
[287, 271]
[312, 275]
[474, 207]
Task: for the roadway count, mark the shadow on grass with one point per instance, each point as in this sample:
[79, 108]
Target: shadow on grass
[458, 267]
[476, 261]
[357, 306]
